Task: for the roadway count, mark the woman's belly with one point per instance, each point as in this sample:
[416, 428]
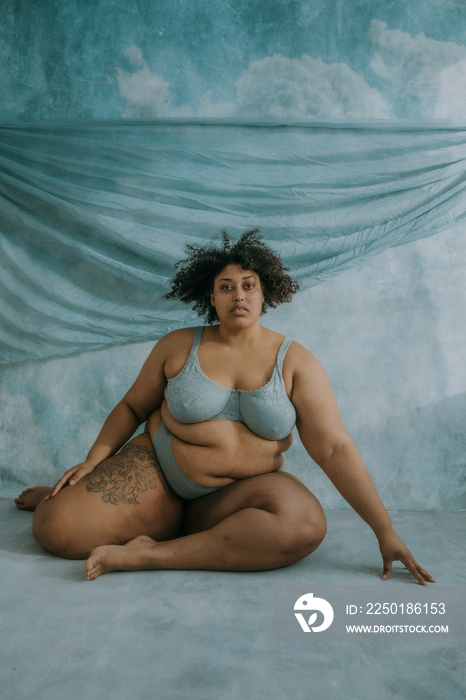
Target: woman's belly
[215, 453]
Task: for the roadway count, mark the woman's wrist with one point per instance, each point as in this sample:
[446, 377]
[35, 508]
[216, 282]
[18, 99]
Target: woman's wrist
[384, 530]
[95, 457]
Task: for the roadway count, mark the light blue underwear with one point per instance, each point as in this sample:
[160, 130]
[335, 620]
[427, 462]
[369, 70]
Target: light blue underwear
[178, 481]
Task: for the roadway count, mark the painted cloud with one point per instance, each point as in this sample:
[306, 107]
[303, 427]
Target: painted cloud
[275, 86]
[432, 72]
[416, 77]
[306, 88]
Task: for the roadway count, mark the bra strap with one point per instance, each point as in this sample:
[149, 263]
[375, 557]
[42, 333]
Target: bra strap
[197, 337]
[282, 352]
[192, 357]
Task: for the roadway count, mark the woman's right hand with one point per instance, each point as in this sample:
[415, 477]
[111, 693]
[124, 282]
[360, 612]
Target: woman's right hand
[72, 476]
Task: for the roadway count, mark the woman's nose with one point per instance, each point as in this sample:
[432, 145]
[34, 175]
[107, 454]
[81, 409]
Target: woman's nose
[238, 294]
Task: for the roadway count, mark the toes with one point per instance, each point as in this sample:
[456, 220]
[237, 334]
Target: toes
[22, 496]
[93, 572]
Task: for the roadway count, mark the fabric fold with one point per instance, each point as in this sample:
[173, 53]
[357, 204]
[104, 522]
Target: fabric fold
[94, 215]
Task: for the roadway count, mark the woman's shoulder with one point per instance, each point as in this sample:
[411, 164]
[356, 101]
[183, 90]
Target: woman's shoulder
[300, 358]
[177, 339]
[179, 334]
[172, 350]
[295, 352]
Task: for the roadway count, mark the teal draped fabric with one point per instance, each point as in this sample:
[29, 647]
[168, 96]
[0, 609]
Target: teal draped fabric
[94, 215]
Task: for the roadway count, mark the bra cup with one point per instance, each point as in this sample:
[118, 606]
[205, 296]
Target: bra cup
[264, 415]
[191, 403]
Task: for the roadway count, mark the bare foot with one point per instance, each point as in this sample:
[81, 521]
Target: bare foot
[135, 555]
[30, 498]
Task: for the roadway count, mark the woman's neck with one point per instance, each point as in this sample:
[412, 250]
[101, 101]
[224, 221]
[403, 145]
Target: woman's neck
[235, 335]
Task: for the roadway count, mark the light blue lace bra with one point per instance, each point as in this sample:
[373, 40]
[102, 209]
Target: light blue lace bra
[192, 398]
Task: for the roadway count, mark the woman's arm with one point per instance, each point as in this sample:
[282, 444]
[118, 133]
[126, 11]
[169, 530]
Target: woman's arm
[145, 396]
[326, 440]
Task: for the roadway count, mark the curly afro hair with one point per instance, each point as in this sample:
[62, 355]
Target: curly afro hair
[194, 281]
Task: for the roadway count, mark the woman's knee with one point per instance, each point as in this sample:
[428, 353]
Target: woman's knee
[301, 533]
[302, 521]
[47, 530]
[53, 530]
[312, 530]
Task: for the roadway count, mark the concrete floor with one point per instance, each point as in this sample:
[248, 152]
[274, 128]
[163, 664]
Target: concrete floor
[199, 635]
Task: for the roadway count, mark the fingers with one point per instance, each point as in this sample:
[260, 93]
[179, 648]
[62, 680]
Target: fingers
[393, 549]
[387, 569]
[427, 576]
[59, 485]
[72, 476]
[414, 571]
[420, 574]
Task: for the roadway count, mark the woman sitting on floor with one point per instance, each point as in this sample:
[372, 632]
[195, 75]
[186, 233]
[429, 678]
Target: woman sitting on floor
[220, 403]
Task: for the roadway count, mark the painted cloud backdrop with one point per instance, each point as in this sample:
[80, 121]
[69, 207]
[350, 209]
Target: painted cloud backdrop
[280, 59]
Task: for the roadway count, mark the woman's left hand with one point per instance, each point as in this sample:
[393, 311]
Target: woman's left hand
[393, 549]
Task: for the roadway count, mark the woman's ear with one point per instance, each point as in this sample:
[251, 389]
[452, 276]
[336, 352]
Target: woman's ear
[212, 300]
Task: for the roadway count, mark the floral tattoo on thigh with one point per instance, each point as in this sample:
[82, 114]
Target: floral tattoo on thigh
[121, 478]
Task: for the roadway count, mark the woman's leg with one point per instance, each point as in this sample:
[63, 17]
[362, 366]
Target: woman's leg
[125, 496]
[264, 522]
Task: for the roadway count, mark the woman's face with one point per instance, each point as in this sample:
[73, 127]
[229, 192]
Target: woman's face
[237, 296]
